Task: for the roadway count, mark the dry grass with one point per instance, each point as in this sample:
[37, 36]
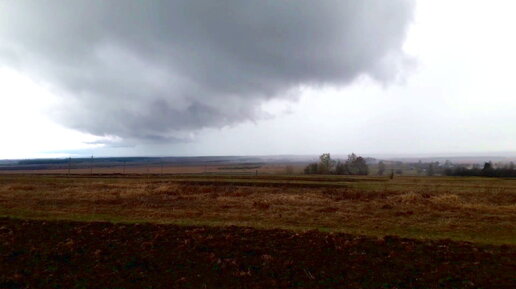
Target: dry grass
[481, 210]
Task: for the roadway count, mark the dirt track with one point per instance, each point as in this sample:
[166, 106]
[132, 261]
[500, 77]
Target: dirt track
[39, 254]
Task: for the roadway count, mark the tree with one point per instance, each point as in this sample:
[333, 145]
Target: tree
[350, 163]
[326, 164]
[341, 168]
[430, 171]
[312, 168]
[381, 168]
[419, 167]
[488, 169]
[488, 166]
[361, 165]
[357, 165]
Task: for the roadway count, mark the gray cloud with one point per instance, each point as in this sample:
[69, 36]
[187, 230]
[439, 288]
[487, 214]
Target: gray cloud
[158, 70]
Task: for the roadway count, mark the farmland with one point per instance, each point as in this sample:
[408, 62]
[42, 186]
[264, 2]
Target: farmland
[477, 210]
[475, 216]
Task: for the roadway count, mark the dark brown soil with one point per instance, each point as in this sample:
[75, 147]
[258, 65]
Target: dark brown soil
[41, 254]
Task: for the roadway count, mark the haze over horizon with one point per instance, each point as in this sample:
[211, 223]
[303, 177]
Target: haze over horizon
[254, 77]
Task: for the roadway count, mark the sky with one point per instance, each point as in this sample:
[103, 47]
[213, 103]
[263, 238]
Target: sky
[255, 77]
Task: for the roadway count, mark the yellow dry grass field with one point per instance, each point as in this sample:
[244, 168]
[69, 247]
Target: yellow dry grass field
[470, 209]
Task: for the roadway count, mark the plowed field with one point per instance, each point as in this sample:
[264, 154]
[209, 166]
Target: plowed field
[63, 254]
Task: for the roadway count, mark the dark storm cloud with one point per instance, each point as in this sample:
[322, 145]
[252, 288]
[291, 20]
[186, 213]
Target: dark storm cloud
[157, 70]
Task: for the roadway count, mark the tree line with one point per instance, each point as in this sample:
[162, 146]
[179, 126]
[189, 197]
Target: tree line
[354, 165]
[487, 171]
[476, 170]
[357, 165]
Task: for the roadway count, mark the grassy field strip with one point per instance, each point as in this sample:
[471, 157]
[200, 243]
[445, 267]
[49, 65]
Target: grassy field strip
[427, 208]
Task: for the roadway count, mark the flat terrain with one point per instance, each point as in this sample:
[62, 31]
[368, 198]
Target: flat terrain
[265, 231]
[139, 169]
[42, 254]
[467, 209]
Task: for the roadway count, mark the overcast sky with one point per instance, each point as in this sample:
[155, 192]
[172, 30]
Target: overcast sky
[256, 77]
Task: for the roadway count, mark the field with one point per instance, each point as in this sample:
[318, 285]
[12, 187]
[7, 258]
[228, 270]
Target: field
[156, 169]
[463, 227]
